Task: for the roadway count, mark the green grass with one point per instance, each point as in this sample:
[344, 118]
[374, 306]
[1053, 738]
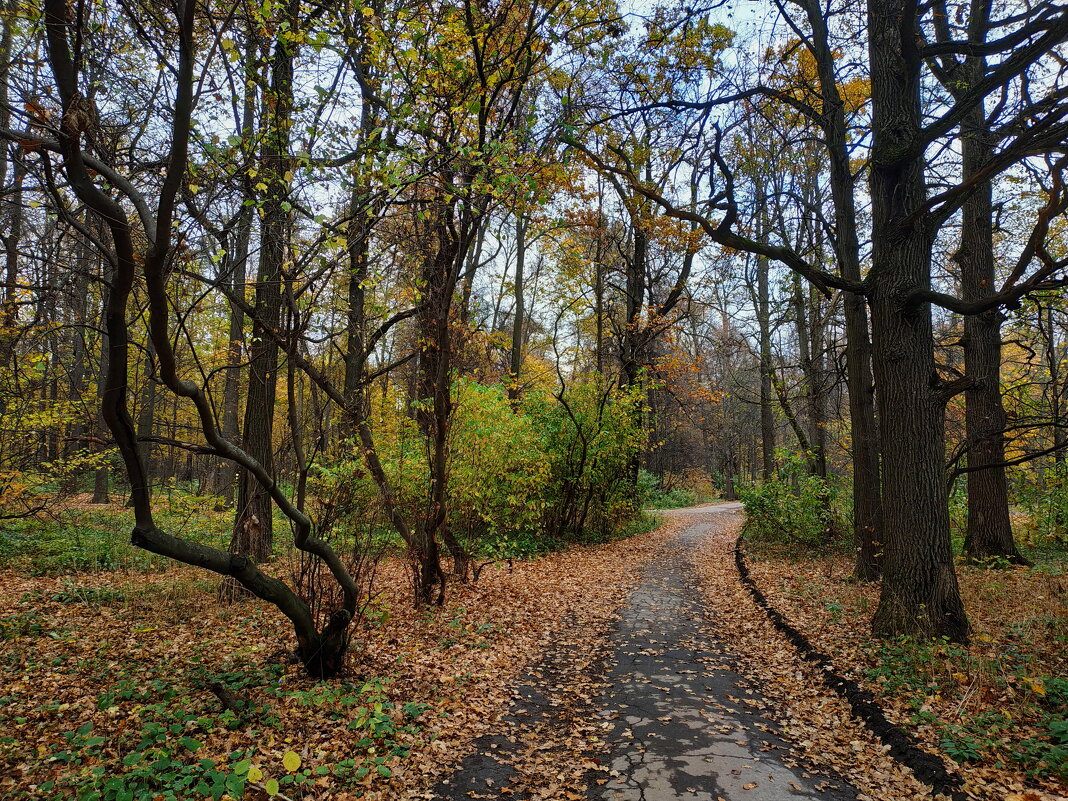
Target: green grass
[85, 539]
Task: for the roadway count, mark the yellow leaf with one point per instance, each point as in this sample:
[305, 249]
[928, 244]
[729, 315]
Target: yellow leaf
[271, 787]
[291, 761]
[254, 774]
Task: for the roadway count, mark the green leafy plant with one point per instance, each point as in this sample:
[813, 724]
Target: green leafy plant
[71, 593]
[1044, 499]
[793, 508]
[656, 496]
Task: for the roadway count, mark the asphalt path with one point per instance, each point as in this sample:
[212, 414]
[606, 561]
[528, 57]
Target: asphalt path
[679, 720]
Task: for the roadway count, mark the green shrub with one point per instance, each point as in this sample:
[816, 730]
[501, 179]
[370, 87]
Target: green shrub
[71, 593]
[1044, 498]
[591, 434]
[523, 480]
[78, 539]
[499, 474]
[654, 495]
[793, 508]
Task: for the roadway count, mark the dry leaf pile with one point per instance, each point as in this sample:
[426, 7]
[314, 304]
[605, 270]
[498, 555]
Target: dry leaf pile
[90, 666]
[933, 692]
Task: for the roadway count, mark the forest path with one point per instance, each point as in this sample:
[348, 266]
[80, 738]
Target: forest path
[670, 719]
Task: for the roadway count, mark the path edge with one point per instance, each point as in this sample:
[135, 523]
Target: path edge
[927, 767]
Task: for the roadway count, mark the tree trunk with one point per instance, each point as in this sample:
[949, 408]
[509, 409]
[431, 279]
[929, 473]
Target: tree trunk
[146, 415]
[234, 272]
[867, 502]
[100, 475]
[11, 219]
[253, 527]
[474, 259]
[79, 311]
[989, 532]
[519, 319]
[767, 413]
[363, 214]
[1055, 357]
[10, 209]
[867, 480]
[225, 473]
[433, 414]
[920, 595]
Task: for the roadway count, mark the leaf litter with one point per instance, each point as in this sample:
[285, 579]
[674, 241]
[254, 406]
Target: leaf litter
[818, 597]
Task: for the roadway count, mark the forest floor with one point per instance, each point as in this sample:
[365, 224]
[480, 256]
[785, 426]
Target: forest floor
[105, 679]
[995, 709]
[639, 669]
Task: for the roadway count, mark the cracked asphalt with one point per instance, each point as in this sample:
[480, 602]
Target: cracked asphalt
[676, 718]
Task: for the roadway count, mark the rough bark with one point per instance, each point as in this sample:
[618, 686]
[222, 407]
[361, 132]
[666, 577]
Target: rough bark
[989, 528]
[920, 595]
[434, 412]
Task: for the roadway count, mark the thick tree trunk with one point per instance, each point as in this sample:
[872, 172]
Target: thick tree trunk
[433, 414]
[920, 595]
